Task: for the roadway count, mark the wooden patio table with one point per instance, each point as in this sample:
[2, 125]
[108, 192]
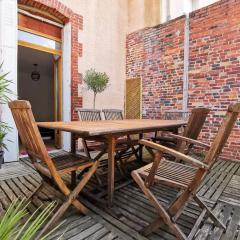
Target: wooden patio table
[111, 130]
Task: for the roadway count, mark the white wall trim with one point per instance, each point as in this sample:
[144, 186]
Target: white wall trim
[66, 83]
[8, 55]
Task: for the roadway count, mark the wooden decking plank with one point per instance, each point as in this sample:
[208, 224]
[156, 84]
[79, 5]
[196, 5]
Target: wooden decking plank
[207, 227]
[26, 193]
[78, 227]
[87, 232]
[212, 178]
[217, 167]
[219, 180]
[134, 192]
[70, 223]
[225, 217]
[116, 226]
[224, 183]
[138, 223]
[9, 193]
[4, 198]
[98, 235]
[234, 224]
[145, 205]
[111, 236]
[148, 215]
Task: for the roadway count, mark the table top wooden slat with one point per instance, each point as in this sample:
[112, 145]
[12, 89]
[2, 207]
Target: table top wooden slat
[107, 127]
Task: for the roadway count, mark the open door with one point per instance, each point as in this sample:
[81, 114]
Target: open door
[57, 97]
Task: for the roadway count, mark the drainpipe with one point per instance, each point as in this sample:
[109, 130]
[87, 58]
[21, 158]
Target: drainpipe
[186, 64]
[168, 10]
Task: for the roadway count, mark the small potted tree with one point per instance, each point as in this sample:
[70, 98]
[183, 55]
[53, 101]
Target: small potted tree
[96, 81]
[4, 98]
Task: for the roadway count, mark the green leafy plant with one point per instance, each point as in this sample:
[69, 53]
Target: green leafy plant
[5, 92]
[13, 228]
[96, 81]
[4, 129]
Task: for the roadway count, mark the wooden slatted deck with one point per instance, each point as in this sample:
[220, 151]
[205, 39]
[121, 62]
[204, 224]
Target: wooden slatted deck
[132, 211]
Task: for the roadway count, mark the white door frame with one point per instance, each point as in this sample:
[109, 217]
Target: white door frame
[66, 78]
[8, 54]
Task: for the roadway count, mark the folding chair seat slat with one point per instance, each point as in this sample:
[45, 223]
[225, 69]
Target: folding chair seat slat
[67, 162]
[170, 171]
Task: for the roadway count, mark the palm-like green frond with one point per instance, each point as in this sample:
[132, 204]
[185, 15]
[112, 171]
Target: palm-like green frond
[11, 227]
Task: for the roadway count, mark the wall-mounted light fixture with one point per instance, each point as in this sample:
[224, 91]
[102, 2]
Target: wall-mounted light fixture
[35, 75]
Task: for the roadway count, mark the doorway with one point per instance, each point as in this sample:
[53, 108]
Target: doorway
[40, 73]
[37, 83]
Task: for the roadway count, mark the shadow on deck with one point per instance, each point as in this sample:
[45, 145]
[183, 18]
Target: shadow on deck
[132, 211]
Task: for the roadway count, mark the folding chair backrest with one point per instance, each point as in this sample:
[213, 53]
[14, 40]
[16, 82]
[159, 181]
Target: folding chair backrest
[223, 133]
[28, 130]
[176, 115]
[88, 114]
[113, 114]
[195, 122]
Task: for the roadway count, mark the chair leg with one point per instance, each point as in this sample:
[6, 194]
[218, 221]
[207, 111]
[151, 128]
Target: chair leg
[71, 199]
[54, 218]
[85, 148]
[37, 190]
[150, 151]
[161, 211]
[217, 222]
[73, 179]
[152, 227]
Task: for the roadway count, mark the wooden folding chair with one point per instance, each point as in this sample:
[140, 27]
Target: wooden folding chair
[192, 130]
[51, 169]
[184, 177]
[176, 115]
[112, 114]
[89, 114]
[91, 143]
[98, 144]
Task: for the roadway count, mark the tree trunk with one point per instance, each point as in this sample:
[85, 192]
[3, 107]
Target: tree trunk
[94, 100]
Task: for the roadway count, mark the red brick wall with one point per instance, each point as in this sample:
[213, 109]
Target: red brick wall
[214, 66]
[65, 14]
[214, 71]
[156, 55]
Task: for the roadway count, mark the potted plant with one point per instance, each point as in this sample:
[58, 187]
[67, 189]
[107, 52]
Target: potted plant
[96, 81]
[4, 98]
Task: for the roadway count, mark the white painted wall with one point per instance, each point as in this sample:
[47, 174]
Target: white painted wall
[202, 3]
[8, 54]
[178, 8]
[103, 38]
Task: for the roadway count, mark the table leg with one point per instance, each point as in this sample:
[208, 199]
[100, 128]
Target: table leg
[73, 150]
[140, 148]
[111, 168]
[73, 143]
